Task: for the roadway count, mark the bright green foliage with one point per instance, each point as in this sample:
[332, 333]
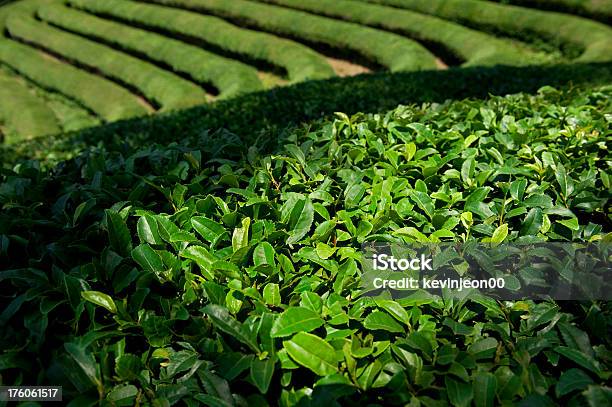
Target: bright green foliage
[391, 51]
[70, 115]
[104, 98]
[591, 40]
[229, 77]
[471, 46]
[157, 85]
[596, 9]
[168, 274]
[300, 62]
[22, 113]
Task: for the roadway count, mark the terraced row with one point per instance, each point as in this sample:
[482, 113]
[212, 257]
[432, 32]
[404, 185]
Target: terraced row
[388, 50]
[22, 112]
[125, 58]
[101, 96]
[595, 9]
[470, 46]
[160, 87]
[591, 40]
[299, 62]
[229, 76]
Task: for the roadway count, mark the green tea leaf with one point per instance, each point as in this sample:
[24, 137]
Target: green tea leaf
[295, 319]
[500, 234]
[533, 222]
[378, 320]
[459, 393]
[578, 358]
[572, 380]
[240, 238]
[538, 200]
[118, 233]
[598, 396]
[517, 189]
[300, 220]
[397, 311]
[424, 202]
[353, 195]
[148, 258]
[271, 294]
[571, 224]
[576, 338]
[475, 202]
[203, 259]
[484, 387]
[565, 182]
[261, 373]
[313, 353]
[222, 320]
[264, 254]
[101, 299]
[210, 230]
[484, 348]
[84, 360]
[122, 394]
[324, 251]
[148, 231]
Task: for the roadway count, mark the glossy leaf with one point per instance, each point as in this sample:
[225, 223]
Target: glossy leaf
[295, 319]
[312, 352]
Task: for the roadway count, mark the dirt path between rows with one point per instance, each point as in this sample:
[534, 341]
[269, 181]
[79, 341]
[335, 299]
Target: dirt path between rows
[342, 67]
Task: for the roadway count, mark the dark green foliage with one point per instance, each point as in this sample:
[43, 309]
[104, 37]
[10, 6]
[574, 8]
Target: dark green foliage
[288, 106]
[222, 272]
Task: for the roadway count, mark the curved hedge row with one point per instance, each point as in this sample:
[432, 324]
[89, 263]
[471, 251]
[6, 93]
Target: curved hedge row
[22, 112]
[595, 9]
[228, 76]
[593, 39]
[225, 275]
[70, 115]
[300, 62]
[388, 50]
[473, 47]
[160, 87]
[103, 97]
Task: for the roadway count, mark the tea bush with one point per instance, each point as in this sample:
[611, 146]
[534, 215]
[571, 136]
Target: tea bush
[225, 270]
[158, 86]
[229, 77]
[391, 51]
[102, 97]
[469, 46]
[22, 112]
[595, 9]
[300, 62]
[588, 41]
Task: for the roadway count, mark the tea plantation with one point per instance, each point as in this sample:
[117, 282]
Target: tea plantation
[72, 64]
[186, 185]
